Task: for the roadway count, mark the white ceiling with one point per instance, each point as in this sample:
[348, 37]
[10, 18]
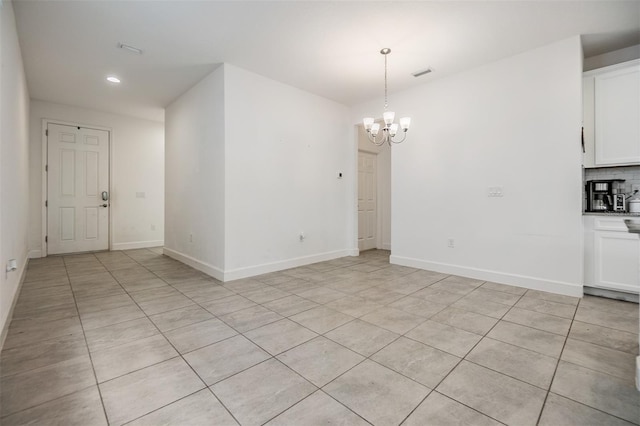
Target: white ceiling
[327, 48]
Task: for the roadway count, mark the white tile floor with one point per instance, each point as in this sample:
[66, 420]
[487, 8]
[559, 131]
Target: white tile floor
[134, 337]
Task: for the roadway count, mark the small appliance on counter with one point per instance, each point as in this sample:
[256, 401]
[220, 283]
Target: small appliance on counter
[619, 203]
[605, 195]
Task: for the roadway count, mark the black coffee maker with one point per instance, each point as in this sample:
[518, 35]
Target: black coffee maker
[601, 194]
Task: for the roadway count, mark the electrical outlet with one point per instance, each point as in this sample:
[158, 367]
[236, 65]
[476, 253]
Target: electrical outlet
[153, 227]
[451, 243]
[190, 238]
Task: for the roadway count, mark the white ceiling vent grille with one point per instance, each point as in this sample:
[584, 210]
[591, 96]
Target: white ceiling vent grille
[423, 72]
[130, 49]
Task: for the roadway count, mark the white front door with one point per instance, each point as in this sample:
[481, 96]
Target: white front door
[77, 189]
[367, 201]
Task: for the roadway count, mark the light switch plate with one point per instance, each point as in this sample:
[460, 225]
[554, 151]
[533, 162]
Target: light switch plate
[495, 191]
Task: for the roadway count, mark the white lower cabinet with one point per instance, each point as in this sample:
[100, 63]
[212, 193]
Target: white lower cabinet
[612, 255]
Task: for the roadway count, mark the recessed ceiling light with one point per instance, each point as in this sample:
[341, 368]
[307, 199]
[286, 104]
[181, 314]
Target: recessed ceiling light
[113, 79]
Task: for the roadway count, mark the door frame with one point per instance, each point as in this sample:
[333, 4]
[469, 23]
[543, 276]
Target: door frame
[371, 149]
[378, 213]
[45, 179]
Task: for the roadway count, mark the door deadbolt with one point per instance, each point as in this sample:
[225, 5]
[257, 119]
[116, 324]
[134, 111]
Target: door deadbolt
[105, 196]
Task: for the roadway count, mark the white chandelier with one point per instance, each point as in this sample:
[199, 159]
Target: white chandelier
[390, 128]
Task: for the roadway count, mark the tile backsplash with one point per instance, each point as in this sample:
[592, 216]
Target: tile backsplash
[631, 175]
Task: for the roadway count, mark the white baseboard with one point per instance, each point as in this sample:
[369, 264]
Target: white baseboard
[35, 254]
[353, 252]
[5, 327]
[524, 281]
[251, 271]
[137, 245]
[208, 269]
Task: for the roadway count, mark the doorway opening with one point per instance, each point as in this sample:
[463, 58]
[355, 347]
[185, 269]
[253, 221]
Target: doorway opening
[373, 194]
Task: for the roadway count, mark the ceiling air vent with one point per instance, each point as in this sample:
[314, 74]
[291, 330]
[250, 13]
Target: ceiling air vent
[129, 48]
[423, 72]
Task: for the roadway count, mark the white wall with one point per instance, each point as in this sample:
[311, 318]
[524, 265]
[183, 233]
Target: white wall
[14, 163]
[383, 164]
[284, 150]
[194, 172]
[250, 164]
[516, 124]
[137, 165]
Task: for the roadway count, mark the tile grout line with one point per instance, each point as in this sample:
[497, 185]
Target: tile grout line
[261, 304]
[460, 362]
[596, 371]
[374, 361]
[258, 304]
[324, 284]
[180, 355]
[88, 353]
[93, 369]
[242, 334]
[297, 373]
[147, 317]
[555, 370]
[84, 336]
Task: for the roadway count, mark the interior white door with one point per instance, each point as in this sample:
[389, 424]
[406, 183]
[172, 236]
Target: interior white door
[77, 183]
[367, 201]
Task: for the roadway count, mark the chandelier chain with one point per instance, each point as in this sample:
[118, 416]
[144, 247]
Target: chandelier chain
[386, 103]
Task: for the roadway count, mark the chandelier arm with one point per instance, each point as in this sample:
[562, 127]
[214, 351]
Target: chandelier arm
[404, 136]
[374, 141]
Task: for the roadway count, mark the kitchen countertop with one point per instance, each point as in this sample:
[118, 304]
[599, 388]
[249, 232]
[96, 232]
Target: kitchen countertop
[614, 214]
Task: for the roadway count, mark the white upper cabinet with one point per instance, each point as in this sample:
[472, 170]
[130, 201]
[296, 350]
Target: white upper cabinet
[611, 115]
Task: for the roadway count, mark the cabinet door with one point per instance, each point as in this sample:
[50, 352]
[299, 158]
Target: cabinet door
[617, 116]
[617, 261]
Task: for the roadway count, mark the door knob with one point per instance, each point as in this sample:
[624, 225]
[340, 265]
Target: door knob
[104, 205]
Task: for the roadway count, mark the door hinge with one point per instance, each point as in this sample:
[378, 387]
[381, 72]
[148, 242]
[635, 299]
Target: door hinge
[46, 203]
[46, 168]
[46, 239]
[46, 132]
